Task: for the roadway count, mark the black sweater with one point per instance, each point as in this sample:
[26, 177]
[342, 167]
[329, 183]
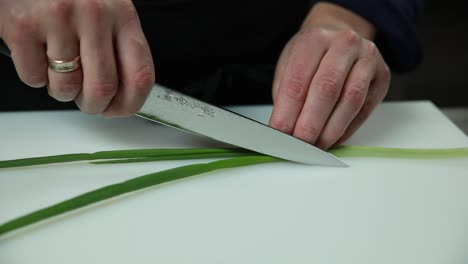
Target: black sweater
[395, 23]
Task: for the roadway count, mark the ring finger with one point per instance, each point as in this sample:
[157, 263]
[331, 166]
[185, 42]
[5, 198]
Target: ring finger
[62, 45]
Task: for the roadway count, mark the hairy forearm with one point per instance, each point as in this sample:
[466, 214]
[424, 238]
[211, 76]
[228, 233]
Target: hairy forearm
[335, 16]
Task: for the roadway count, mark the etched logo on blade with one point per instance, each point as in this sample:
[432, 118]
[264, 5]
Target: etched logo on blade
[202, 109]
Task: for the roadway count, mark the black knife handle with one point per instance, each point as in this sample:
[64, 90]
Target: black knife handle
[4, 49]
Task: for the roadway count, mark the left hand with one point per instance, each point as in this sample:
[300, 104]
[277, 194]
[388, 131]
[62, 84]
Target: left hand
[329, 78]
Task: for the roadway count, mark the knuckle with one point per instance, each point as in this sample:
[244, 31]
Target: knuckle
[282, 125]
[103, 90]
[127, 12]
[126, 5]
[384, 90]
[328, 88]
[348, 37]
[386, 72]
[371, 49]
[313, 32]
[68, 88]
[301, 37]
[92, 8]
[308, 130]
[384, 77]
[144, 79]
[60, 8]
[313, 35]
[20, 26]
[296, 86]
[357, 92]
[15, 38]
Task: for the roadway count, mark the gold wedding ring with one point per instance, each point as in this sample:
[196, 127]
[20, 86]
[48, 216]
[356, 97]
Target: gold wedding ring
[64, 66]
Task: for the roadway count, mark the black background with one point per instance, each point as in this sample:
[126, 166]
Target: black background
[243, 74]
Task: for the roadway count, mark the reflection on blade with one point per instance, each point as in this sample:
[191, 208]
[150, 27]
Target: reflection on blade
[183, 112]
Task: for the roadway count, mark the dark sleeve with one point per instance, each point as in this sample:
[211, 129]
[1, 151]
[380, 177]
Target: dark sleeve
[395, 21]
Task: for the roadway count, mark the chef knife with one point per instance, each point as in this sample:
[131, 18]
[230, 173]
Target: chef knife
[178, 110]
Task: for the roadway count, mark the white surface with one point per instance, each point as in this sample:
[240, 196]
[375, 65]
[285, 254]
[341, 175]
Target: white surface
[376, 211]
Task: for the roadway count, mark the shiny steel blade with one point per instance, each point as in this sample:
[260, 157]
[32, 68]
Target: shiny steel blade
[177, 110]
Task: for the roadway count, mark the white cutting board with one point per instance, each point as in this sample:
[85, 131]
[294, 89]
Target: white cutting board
[376, 211]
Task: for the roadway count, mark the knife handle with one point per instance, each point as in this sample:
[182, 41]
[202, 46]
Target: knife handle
[4, 49]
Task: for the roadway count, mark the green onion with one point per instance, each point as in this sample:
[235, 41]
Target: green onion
[117, 154]
[178, 157]
[403, 153]
[131, 185]
[242, 158]
[145, 155]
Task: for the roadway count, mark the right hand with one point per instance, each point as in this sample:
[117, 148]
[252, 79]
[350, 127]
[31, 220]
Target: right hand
[117, 70]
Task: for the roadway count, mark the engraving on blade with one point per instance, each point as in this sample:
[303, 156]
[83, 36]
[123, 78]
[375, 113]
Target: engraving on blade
[202, 109]
[177, 110]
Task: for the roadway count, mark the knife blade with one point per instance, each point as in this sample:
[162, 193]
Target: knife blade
[177, 110]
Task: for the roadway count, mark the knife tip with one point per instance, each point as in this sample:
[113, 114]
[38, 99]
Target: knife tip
[331, 161]
[339, 164]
